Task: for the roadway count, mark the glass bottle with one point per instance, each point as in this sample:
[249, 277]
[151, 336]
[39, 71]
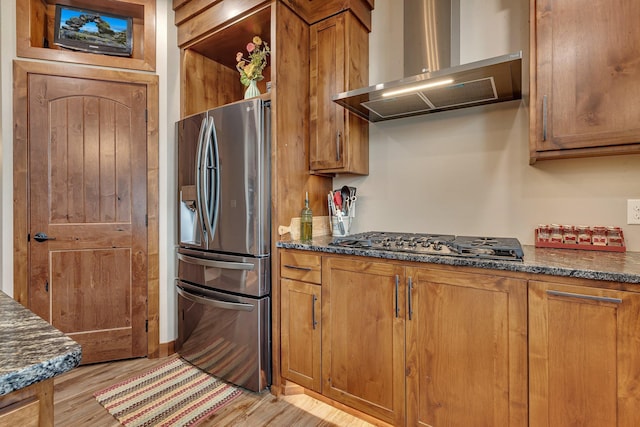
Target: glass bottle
[306, 220]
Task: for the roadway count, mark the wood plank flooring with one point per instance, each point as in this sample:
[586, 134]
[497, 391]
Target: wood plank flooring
[74, 404]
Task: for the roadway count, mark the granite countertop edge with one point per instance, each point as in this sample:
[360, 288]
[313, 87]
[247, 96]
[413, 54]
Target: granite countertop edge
[33, 374]
[31, 349]
[621, 267]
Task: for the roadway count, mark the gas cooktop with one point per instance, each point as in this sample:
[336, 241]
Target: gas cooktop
[498, 248]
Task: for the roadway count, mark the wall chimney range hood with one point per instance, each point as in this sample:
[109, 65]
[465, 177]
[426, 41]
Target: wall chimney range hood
[432, 28]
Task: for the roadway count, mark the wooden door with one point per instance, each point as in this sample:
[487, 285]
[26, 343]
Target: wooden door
[466, 349]
[584, 356]
[300, 333]
[87, 193]
[363, 306]
[586, 80]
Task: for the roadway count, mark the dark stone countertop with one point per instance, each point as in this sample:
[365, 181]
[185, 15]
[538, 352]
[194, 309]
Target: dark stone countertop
[585, 264]
[31, 350]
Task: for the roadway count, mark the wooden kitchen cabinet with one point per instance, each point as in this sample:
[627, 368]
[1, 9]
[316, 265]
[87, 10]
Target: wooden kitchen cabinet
[31, 406]
[466, 349]
[449, 346]
[313, 11]
[339, 140]
[585, 78]
[584, 356]
[300, 336]
[363, 310]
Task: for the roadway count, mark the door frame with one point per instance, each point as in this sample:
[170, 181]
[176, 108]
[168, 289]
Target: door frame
[21, 71]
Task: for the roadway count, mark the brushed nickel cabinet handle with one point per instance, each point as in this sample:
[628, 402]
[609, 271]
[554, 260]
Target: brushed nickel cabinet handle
[587, 297]
[313, 312]
[338, 145]
[297, 267]
[544, 118]
[409, 300]
[396, 296]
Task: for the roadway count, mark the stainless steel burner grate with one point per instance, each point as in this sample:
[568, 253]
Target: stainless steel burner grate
[500, 248]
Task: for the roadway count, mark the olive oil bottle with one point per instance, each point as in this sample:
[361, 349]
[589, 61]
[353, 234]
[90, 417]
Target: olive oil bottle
[306, 221]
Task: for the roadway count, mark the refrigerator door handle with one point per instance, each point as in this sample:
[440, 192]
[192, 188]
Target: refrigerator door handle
[199, 208]
[228, 265]
[225, 305]
[216, 169]
[210, 184]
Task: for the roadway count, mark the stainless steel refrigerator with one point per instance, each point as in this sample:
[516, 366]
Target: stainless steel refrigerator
[224, 259]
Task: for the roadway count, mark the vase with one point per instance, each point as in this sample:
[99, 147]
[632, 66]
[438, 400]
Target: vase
[252, 90]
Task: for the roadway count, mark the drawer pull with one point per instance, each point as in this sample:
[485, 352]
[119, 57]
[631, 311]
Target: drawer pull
[297, 267]
[582, 296]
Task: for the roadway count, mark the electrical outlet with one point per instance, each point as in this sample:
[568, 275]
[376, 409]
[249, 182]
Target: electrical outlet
[633, 211]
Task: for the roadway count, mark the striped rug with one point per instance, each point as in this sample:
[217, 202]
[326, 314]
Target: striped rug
[172, 394]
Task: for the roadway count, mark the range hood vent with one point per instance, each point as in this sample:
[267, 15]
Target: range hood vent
[483, 82]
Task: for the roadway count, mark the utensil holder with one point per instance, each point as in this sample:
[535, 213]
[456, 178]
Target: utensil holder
[336, 230]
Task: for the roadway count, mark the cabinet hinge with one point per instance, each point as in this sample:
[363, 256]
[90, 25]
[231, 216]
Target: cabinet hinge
[28, 237]
[146, 116]
[146, 325]
[146, 220]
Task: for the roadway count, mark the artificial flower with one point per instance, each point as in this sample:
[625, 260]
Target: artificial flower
[251, 68]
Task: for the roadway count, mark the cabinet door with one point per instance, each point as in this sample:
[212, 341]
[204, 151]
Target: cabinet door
[339, 141]
[363, 307]
[586, 80]
[584, 356]
[466, 349]
[300, 333]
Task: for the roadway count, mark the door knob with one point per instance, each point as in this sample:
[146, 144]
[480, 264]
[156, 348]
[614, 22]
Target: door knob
[41, 237]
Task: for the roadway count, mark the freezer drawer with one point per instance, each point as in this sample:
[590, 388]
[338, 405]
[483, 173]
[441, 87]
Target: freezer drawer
[228, 273]
[225, 335]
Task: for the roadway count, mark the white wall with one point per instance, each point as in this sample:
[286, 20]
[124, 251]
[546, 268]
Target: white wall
[7, 54]
[167, 68]
[467, 172]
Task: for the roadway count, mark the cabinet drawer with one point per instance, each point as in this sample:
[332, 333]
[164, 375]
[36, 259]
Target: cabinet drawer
[300, 266]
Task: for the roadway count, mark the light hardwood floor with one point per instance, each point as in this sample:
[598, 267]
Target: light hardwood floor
[74, 404]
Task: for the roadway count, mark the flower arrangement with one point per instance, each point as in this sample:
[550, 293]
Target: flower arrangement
[251, 68]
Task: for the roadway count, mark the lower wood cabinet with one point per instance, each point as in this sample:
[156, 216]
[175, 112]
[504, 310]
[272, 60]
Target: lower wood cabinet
[363, 310]
[449, 347]
[584, 356]
[31, 406]
[300, 333]
[300, 318]
[466, 349]
[439, 346]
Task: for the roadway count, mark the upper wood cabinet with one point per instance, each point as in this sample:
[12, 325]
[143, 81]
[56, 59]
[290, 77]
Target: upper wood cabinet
[585, 78]
[35, 32]
[584, 356]
[199, 19]
[210, 33]
[339, 140]
[313, 11]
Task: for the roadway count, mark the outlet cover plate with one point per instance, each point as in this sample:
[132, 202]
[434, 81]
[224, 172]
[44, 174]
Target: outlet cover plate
[633, 211]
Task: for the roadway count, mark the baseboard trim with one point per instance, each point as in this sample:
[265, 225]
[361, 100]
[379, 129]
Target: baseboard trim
[166, 349]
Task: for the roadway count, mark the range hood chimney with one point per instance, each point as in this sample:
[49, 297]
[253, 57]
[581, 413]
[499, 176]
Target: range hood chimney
[434, 80]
